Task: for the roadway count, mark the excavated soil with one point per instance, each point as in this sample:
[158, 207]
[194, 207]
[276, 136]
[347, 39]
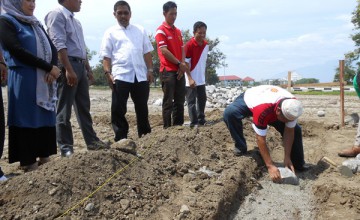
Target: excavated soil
[184, 173]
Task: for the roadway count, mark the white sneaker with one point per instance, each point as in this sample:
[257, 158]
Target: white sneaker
[3, 178]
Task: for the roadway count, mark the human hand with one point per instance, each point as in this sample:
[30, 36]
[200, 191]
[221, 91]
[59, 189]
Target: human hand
[3, 70]
[180, 75]
[150, 77]
[55, 72]
[288, 164]
[91, 78]
[110, 80]
[49, 78]
[71, 78]
[274, 174]
[192, 83]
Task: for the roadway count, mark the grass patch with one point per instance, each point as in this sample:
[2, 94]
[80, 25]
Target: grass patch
[323, 93]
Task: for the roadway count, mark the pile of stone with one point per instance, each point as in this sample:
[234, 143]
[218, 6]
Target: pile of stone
[216, 97]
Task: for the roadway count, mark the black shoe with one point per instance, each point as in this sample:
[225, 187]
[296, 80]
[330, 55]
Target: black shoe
[238, 152]
[304, 168]
[67, 153]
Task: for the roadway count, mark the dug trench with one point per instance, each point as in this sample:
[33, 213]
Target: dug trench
[178, 173]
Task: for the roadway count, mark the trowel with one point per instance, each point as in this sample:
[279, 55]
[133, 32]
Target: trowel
[344, 170]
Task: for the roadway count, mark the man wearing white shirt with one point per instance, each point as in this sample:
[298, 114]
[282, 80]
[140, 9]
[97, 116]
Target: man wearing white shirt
[126, 52]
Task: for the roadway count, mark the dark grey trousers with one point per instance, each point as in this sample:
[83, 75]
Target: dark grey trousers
[196, 100]
[78, 96]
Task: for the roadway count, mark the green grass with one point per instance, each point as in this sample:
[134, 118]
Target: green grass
[323, 93]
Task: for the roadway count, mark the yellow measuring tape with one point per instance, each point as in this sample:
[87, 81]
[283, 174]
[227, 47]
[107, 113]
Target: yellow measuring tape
[95, 191]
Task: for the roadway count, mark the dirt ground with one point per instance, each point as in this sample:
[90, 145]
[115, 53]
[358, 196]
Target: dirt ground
[183, 173]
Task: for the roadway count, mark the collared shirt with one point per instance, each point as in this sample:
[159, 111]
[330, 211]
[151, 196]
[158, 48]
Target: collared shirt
[170, 37]
[126, 48]
[262, 102]
[65, 31]
[196, 56]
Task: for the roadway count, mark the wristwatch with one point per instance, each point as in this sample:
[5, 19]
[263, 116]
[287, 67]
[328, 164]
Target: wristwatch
[151, 70]
[106, 72]
[178, 63]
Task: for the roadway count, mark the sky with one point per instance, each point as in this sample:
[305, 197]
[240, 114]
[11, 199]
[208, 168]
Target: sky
[262, 39]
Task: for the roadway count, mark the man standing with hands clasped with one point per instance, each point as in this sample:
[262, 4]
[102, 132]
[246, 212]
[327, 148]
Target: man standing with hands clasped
[172, 67]
[126, 51]
[66, 33]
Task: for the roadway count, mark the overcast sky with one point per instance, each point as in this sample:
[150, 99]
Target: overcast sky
[260, 38]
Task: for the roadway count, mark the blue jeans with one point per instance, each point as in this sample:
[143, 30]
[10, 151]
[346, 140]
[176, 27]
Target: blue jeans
[238, 110]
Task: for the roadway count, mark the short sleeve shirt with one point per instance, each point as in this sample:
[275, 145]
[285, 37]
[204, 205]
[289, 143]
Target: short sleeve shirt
[262, 102]
[196, 56]
[170, 37]
[126, 48]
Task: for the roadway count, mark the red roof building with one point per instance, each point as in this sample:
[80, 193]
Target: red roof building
[229, 78]
[248, 79]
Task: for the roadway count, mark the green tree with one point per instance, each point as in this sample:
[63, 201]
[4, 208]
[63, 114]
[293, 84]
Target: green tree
[352, 56]
[349, 70]
[306, 81]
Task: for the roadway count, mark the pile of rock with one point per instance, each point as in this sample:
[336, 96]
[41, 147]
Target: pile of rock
[216, 97]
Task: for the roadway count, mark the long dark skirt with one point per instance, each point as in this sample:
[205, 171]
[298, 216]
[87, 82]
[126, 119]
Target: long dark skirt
[27, 144]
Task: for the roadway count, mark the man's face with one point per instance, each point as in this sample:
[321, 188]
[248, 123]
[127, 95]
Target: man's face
[73, 5]
[170, 16]
[123, 15]
[200, 34]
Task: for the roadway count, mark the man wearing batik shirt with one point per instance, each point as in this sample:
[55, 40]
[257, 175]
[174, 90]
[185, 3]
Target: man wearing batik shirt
[274, 106]
[196, 54]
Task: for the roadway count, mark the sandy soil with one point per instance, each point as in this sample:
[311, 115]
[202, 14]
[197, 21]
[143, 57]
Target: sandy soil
[183, 173]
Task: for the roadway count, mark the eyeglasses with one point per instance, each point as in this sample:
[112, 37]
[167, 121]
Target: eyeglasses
[126, 13]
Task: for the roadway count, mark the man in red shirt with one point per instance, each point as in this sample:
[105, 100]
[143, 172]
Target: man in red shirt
[274, 106]
[172, 67]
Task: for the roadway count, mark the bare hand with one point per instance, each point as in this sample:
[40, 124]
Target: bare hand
[192, 83]
[288, 164]
[110, 80]
[91, 78]
[55, 72]
[274, 174]
[180, 75]
[49, 78]
[150, 77]
[71, 78]
[3, 70]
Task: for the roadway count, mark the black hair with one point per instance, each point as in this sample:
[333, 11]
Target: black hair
[61, 1]
[169, 5]
[121, 3]
[199, 24]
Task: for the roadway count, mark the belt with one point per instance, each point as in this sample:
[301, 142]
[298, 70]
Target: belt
[76, 59]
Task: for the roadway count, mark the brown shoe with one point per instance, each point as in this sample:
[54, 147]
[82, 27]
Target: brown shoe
[350, 152]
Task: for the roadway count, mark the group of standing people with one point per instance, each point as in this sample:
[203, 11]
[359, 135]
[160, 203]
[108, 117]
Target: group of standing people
[41, 88]
[49, 73]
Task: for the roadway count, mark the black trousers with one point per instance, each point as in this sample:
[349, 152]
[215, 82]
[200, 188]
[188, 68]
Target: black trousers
[174, 98]
[139, 92]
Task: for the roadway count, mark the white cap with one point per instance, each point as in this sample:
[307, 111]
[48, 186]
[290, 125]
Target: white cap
[291, 109]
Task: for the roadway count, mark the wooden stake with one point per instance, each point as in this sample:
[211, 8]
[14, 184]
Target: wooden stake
[341, 80]
[289, 81]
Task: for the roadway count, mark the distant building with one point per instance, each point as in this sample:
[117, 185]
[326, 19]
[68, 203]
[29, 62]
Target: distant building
[230, 80]
[248, 80]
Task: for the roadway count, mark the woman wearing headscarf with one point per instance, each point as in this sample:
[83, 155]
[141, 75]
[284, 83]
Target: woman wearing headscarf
[31, 59]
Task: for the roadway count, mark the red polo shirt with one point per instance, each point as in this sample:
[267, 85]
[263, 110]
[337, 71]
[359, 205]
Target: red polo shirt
[171, 38]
